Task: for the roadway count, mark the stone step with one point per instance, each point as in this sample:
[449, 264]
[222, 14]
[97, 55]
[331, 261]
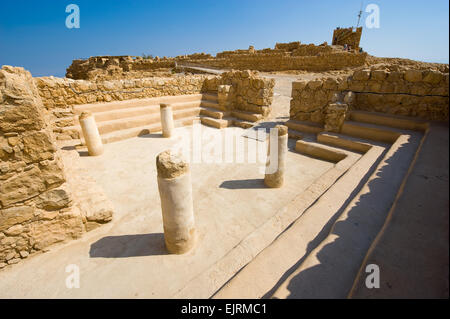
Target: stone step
[217, 123]
[214, 113]
[141, 110]
[210, 97]
[116, 105]
[137, 121]
[214, 105]
[319, 151]
[247, 116]
[396, 121]
[243, 124]
[144, 130]
[352, 233]
[131, 132]
[306, 127]
[343, 142]
[370, 132]
[126, 123]
[296, 135]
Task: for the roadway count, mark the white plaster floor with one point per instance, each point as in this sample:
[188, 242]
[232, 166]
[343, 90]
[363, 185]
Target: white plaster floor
[126, 258]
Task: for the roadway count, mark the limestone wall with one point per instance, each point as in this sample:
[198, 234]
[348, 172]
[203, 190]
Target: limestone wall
[249, 92]
[116, 67]
[285, 56]
[310, 98]
[60, 94]
[409, 92]
[37, 207]
[283, 61]
[417, 93]
[349, 36]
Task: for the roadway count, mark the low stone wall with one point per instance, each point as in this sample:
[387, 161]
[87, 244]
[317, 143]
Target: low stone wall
[60, 94]
[249, 92]
[310, 98]
[37, 207]
[284, 61]
[417, 93]
[411, 92]
[114, 67]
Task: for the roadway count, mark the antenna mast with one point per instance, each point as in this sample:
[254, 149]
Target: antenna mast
[360, 14]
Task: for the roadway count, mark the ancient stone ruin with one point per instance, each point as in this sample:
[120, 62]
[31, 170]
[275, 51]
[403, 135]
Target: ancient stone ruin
[301, 152]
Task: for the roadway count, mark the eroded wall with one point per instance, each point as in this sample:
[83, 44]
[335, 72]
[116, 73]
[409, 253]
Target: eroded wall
[285, 56]
[267, 62]
[37, 206]
[408, 92]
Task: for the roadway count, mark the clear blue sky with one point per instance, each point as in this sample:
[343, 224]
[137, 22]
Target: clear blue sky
[33, 33]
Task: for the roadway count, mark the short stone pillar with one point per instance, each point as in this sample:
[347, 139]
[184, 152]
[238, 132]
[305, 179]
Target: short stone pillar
[335, 115]
[91, 134]
[276, 164]
[166, 120]
[175, 190]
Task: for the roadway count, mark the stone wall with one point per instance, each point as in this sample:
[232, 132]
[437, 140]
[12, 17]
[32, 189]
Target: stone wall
[116, 67]
[60, 94]
[310, 98]
[249, 92]
[410, 92]
[417, 93]
[122, 67]
[285, 56]
[268, 62]
[37, 207]
[349, 36]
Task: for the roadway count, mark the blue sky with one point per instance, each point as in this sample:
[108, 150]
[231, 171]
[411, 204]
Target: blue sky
[33, 33]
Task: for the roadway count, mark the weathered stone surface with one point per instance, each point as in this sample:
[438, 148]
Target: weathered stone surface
[361, 75]
[335, 115]
[170, 165]
[33, 212]
[15, 215]
[14, 230]
[21, 187]
[413, 75]
[54, 199]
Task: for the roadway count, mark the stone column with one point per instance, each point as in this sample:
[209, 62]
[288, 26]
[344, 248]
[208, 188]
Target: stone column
[91, 134]
[276, 163]
[175, 190]
[166, 120]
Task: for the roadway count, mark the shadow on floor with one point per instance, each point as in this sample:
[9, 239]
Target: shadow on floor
[152, 135]
[68, 148]
[129, 246]
[73, 148]
[244, 184]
